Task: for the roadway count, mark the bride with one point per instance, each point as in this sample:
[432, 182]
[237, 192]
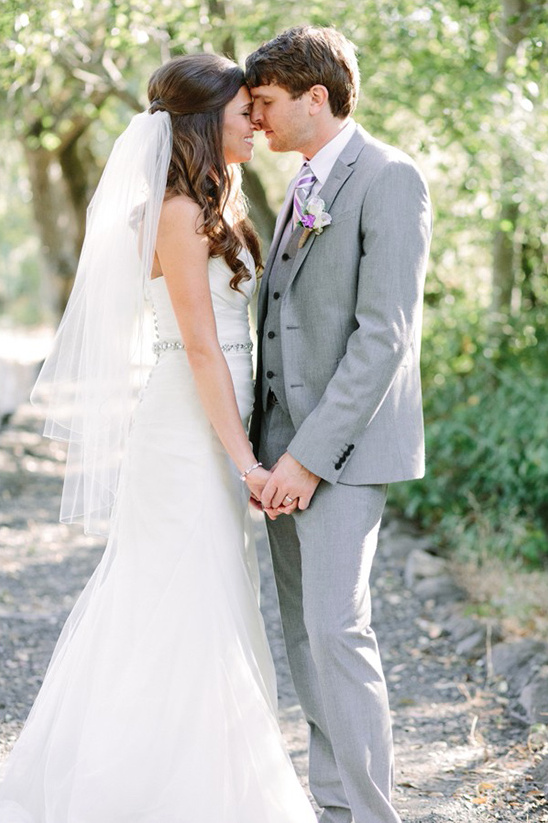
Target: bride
[159, 703]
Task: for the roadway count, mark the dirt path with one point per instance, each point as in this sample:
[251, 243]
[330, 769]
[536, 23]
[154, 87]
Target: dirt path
[460, 756]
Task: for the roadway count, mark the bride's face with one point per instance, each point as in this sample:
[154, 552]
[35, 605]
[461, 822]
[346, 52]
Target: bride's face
[237, 128]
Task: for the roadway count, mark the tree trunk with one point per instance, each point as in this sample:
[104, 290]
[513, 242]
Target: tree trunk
[76, 176]
[260, 211]
[512, 31]
[223, 34]
[513, 28]
[55, 223]
[504, 259]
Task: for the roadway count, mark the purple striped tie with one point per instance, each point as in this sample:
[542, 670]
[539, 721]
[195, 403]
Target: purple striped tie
[303, 187]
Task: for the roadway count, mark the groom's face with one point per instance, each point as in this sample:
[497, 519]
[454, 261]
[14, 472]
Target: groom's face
[286, 123]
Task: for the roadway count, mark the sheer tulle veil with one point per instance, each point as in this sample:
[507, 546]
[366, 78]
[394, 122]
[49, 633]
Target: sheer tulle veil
[88, 382]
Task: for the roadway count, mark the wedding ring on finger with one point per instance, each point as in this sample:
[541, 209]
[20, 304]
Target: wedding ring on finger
[287, 497]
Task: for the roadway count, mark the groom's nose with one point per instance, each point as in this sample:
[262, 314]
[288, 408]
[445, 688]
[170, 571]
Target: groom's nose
[256, 116]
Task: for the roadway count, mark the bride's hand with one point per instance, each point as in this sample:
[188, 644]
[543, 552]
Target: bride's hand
[256, 481]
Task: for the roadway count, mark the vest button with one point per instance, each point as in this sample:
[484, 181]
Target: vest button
[271, 335]
[276, 295]
[285, 256]
[270, 374]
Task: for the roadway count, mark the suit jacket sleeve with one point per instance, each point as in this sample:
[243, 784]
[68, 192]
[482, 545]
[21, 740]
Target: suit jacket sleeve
[395, 230]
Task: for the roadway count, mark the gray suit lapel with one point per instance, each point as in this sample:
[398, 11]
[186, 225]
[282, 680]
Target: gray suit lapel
[281, 222]
[340, 173]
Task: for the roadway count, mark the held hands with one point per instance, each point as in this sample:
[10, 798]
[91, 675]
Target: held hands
[256, 481]
[289, 485]
[289, 480]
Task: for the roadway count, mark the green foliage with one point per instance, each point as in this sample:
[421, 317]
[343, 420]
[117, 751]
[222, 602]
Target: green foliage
[430, 85]
[486, 486]
[20, 284]
[449, 82]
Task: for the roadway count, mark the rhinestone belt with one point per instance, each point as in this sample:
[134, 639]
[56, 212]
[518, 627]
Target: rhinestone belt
[174, 345]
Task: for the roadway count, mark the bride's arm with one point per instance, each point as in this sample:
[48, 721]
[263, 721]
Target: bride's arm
[183, 253]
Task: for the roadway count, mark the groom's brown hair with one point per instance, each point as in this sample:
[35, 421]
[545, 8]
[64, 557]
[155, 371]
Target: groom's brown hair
[304, 56]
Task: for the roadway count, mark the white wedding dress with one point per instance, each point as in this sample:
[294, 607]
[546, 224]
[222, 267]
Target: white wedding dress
[159, 704]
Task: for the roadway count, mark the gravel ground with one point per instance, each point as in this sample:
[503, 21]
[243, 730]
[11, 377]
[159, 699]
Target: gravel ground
[461, 756]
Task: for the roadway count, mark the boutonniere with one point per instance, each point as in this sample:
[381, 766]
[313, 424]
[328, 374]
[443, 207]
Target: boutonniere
[314, 218]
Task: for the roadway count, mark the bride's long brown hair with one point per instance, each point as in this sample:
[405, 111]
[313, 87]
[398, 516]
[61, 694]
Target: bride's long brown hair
[194, 90]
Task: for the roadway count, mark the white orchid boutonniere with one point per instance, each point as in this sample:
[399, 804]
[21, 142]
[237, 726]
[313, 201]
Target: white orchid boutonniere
[314, 219]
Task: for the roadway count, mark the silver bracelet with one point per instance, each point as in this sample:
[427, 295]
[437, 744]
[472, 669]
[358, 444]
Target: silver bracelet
[252, 468]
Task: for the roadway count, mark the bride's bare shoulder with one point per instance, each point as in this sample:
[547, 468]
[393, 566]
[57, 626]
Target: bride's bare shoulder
[183, 212]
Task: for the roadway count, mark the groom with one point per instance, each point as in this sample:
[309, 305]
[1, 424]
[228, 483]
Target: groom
[338, 400]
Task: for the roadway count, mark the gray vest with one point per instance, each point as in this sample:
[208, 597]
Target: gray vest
[271, 348]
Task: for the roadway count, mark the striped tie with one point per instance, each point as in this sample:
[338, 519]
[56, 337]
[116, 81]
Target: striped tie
[303, 187]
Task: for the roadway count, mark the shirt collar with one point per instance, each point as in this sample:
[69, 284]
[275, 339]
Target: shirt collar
[324, 160]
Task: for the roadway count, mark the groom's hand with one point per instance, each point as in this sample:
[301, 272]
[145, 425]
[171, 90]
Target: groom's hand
[288, 509]
[289, 479]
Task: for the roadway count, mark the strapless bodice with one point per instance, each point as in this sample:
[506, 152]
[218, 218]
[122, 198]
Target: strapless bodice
[229, 306]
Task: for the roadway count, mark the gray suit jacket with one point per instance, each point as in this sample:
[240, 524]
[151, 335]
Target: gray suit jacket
[351, 317]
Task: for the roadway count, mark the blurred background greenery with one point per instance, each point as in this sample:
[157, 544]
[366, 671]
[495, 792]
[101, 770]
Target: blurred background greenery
[458, 84]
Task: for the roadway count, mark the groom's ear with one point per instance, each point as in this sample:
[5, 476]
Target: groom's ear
[319, 99]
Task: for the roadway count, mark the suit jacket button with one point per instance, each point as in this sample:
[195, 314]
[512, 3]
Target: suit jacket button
[338, 465]
[271, 335]
[285, 256]
[276, 295]
[270, 374]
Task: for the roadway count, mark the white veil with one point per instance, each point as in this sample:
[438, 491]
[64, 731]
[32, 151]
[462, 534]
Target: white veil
[88, 380]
